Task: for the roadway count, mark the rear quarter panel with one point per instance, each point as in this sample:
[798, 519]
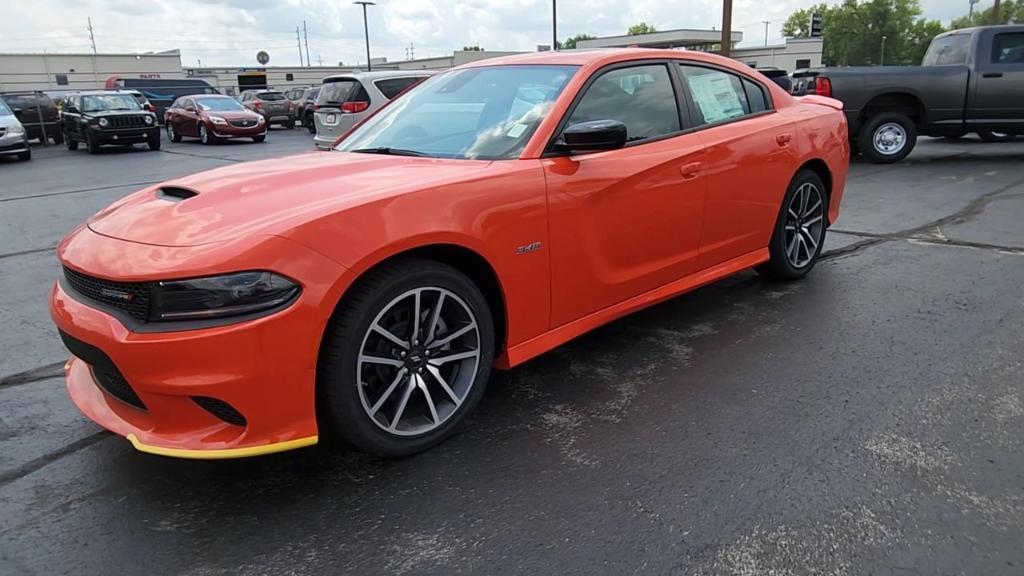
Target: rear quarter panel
[822, 133]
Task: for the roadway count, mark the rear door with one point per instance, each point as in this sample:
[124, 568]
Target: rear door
[749, 160]
[998, 102]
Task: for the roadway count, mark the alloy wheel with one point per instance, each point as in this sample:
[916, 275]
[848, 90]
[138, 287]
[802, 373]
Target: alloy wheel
[805, 225]
[889, 138]
[204, 136]
[418, 361]
[170, 131]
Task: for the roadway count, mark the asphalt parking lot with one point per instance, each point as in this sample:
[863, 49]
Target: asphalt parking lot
[867, 420]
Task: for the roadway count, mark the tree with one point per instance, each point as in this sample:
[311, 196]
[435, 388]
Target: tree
[570, 44]
[1010, 12]
[641, 28]
[476, 48]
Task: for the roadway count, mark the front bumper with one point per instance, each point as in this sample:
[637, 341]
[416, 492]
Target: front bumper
[125, 135]
[263, 368]
[228, 131]
[13, 144]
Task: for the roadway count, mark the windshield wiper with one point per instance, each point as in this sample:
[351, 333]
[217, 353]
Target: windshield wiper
[388, 151]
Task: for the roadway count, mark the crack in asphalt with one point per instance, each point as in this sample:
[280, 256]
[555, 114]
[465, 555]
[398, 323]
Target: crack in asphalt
[79, 191]
[222, 158]
[46, 459]
[27, 252]
[47, 372]
[973, 208]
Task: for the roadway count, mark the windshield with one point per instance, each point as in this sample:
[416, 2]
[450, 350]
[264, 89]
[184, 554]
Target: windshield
[947, 50]
[486, 113]
[219, 104]
[270, 96]
[106, 102]
[4, 110]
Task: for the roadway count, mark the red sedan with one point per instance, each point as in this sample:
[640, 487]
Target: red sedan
[492, 213]
[212, 118]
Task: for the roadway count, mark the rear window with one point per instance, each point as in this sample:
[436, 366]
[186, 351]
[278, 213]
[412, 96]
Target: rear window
[391, 87]
[271, 96]
[342, 90]
[947, 51]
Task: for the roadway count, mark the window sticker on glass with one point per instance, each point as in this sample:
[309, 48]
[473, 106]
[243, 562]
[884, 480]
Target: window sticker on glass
[715, 96]
[516, 130]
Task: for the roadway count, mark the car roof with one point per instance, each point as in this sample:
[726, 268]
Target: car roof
[600, 57]
[381, 74]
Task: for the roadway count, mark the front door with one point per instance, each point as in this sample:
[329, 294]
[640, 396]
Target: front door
[999, 82]
[626, 221]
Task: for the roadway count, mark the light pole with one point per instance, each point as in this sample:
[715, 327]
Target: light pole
[366, 29]
[554, 24]
[766, 23]
[881, 59]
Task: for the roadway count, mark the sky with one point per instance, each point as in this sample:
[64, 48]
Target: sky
[231, 32]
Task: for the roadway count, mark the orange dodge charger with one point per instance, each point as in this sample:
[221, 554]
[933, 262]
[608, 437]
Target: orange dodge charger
[488, 215]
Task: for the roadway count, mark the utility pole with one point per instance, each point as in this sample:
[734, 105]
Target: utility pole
[366, 30]
[970, 10]
[726, 27]
[320, 60]
[412, 51]
[766, 23]
[995, 13]
[92, 38]
[298, 42]
[554, 24]
[307, 41]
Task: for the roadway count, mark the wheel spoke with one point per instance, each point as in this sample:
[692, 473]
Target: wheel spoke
[791, 250]
[808, 237]
[812, 221]
[426, 394]
[444, 384]
[454, 335]
[416, 316]
[804, 198]
[387, 334]
[793, 215]
[432, 328]
[439, 360]
[402, 403]
[387, 393]
[802, 243]
[811, 210]
[379, 360]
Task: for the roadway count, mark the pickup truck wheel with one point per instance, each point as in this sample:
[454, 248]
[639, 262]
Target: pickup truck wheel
[996, 136]
[887, 138]
[58, 137]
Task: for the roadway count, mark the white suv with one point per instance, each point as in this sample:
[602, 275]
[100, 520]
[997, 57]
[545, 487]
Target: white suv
[13, 140]
[346, 99]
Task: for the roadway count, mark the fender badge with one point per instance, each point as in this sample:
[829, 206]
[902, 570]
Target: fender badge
[531, 247]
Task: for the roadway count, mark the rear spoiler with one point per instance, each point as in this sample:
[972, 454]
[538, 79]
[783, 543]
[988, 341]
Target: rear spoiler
[821, 101]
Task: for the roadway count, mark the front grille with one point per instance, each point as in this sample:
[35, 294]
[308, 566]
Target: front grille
[220, 409]
[117, 386]
[127, 121]
[130, 297]
[104, 371]
[243, 123]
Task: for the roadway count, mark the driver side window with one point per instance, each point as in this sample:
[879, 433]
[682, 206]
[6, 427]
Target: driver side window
[641, 97]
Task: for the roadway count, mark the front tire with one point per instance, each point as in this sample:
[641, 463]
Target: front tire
[25, 156]
[91, 142]
[153, 141]
[58, 137]
[310, 125]
[405, 359]
[289, 124]
[204, 135]
[172, 134]
[799, 229]
[888, 137]
[71, 143]
[260, 139]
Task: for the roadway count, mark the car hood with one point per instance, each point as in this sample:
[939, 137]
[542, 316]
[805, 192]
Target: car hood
[232, 114]
[270, 196]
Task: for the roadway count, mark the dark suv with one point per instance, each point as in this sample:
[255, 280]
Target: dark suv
[37, 113]
[108, 117]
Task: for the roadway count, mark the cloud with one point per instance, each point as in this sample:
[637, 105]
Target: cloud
[230, 32]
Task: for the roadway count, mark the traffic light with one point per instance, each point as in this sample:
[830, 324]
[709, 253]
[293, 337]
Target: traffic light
[815, 25]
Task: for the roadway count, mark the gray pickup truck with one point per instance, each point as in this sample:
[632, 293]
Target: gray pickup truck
[970, 80]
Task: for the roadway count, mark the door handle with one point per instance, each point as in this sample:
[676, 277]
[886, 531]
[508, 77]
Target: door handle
[691, 170]
[992, 75]
[783, 139]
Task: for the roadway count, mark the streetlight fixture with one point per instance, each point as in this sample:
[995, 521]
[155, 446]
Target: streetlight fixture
[366, 29]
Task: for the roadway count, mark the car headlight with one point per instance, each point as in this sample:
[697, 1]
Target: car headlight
[260, 120]
[220, 296]
[218, 120]
[17, 129]
[103, 122]
[149, 119]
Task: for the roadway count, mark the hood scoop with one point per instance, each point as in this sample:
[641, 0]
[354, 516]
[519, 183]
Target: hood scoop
[175, 193]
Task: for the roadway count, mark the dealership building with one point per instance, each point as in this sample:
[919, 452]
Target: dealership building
[57, 73]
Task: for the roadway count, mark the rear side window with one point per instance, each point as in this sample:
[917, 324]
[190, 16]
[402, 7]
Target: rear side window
[718, 96]
[1008, 48]
[947, 51]
[391, 87]
[641, 97]
[756, 99]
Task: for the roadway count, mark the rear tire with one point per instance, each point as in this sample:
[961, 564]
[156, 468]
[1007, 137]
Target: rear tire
[71, 143]
[989, 136]
[887, 137]
[310, 125]
[58, 137]
[290, 124]
[799, 229]
[360, 398]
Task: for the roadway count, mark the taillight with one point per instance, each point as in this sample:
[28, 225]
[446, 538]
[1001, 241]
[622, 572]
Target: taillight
[823, 87]
[257, 105]
[354, 107]
[316, 107]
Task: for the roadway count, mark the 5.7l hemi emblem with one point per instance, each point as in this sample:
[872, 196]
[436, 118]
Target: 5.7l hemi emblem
[117, 295]
[531, 247]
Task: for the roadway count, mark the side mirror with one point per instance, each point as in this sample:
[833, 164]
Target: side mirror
[594, 135]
